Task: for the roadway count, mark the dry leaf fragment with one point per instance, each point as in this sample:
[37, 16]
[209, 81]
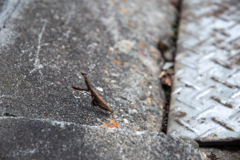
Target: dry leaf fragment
[113, 124]
[149, 99]
[151, 127]
[167, 80]
[105, 71]
[156, 56]
[107, 80]
[132, 24]
[151, 118]
[134, 67]
[163, 47]
[153, 50]
[175, 3]
[117, 62]
[170, 72]
[143, 52]
[63, 82]
[212, 156]
[124, 11]
[166, 77]
[145, 70]
[142, 44]
[163, 73]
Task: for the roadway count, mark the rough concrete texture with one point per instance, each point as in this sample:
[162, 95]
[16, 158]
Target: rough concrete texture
[1, 5]
[223, 153]
[46, 44]
[44, 47]
[22, 138]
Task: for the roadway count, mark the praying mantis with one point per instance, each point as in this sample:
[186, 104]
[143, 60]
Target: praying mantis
[97, 99]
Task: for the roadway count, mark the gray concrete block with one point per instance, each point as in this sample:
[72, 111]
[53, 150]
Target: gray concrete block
[46, 44]
[22, 138]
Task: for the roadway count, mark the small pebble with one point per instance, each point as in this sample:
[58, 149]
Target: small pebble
[121, 110]
[107, 80]
[63, 47]
[75, 102]
[156, 112]
[124, 46]
[111, 49]
[125, 120]
[203, 155]
[114, 74]
[113, 81]
[56, 17]
[167, 65]
[135, 111]
[99, 88]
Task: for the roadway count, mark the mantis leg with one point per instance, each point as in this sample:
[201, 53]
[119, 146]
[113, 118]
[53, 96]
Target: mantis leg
[105, 98]
[106, 101]
[80, 88]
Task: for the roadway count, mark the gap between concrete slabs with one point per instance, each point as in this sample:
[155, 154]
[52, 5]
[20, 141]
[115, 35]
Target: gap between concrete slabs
[205, 95]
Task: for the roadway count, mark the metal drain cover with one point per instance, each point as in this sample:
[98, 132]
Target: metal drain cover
[205, 100]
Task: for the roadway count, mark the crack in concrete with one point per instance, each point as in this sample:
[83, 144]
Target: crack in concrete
[37, 64]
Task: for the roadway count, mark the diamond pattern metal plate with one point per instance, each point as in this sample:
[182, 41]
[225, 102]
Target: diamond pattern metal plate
[205, 98]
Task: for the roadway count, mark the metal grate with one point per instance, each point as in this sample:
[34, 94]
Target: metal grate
[205, 100]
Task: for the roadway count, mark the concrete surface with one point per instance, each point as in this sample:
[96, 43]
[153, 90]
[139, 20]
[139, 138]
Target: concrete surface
[23, 138]
[44, 47]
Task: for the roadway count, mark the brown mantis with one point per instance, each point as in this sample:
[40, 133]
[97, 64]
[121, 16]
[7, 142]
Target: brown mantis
[97, 99]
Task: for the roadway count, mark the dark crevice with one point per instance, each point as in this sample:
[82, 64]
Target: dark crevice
[167, 91]
[164, 48]
[9, 115]
[177, 4]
